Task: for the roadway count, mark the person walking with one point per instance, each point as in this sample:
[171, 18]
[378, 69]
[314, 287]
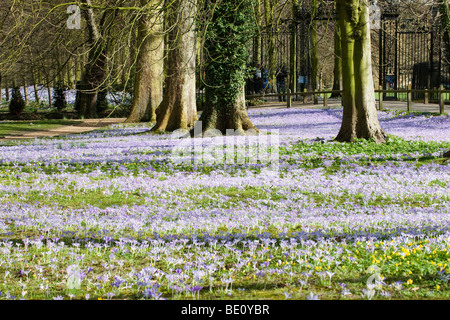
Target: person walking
[265, 81]
[257, 80]
[281, 83]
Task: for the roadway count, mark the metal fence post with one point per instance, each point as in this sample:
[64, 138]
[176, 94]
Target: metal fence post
[289, 99]
[408, 99]
[380, 98]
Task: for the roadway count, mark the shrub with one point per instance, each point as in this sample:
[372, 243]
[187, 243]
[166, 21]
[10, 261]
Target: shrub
[17, 104]
[59, 97]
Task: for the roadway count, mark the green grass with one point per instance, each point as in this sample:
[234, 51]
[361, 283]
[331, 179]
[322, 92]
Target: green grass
[21, 127]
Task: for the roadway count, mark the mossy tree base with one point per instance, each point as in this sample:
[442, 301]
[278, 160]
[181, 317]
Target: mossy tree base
[360, 119]
[226, 33]
[234, 116]
[178, 110]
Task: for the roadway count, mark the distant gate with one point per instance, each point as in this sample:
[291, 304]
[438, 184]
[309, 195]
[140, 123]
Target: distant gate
[410, 52]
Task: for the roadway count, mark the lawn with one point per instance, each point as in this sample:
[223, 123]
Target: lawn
[21, 127]
[110, 214]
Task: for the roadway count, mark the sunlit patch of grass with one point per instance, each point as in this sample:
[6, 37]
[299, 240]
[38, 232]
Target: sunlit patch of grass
[20, 127]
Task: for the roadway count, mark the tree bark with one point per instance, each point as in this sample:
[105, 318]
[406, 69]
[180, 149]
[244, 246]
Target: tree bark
[258, 38]
[36, 93]
[445, 26]
[178, 109]
[69, 75]
[49, 91]
[225, 74]
[360, 119]
[314, 53]
[6, 90]
[337, 71]
[268, 12]
[232, 116]
[25, 91]
[445, 22]
[148, 91]
[95, 70]
[293, 51]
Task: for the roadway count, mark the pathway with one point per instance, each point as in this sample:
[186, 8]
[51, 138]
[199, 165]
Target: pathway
[392, 105]
[83, 126]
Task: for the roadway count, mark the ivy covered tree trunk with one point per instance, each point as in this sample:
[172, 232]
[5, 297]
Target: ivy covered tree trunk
[360, 119]
[337, 71]
[148, 91]
[228, 31]
[445, 25]
[178, 110]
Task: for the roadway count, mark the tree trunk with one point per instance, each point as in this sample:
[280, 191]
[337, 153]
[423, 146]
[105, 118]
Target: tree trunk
[293, 51]
[178, 109]
[69, 74]
[258, 38]
[25, 91]
[360, 119]
[232, 115]
[6, 90]
[228, 31]
[36, 93]
[124, 63]
[49, 91]
[74, 73]
[148, 89]
[337, 71]
[59, 69]
[79, 69]
[271, 68]
[35, 83]
[445, 26]
[95, 70]
[314, 53]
